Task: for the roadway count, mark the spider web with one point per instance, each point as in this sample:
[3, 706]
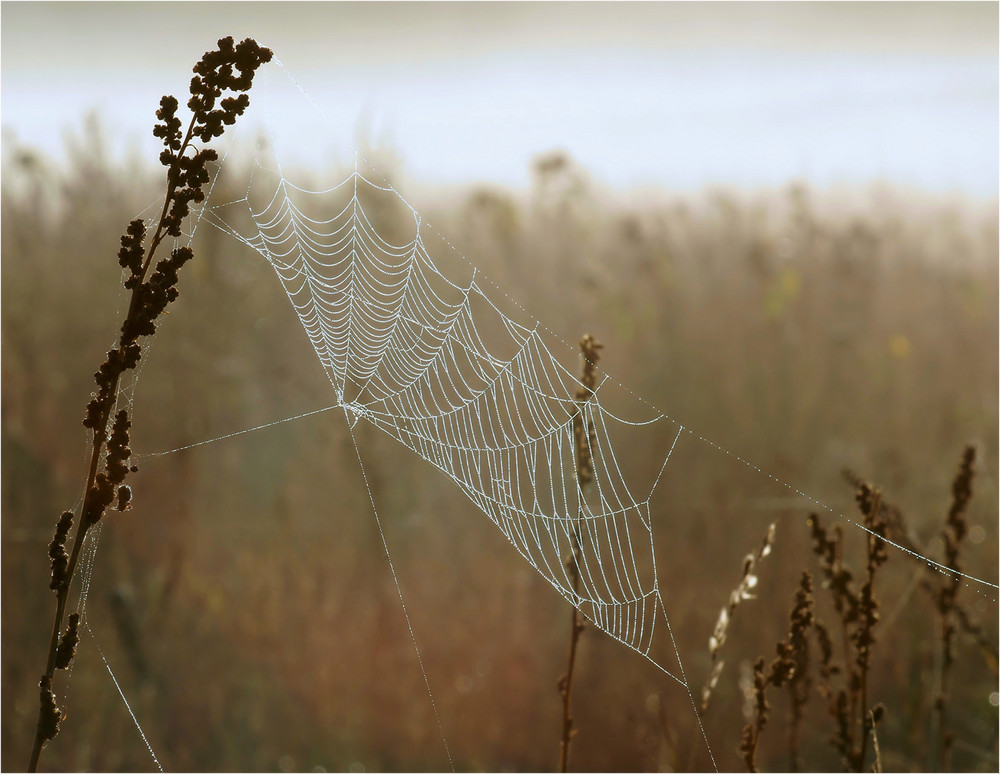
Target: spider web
[436, 364]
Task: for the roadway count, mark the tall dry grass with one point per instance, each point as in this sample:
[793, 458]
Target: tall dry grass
[805, 332]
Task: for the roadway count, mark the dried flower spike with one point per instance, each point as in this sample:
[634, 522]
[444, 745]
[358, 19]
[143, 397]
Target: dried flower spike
[230, 68]
[591, 351]
[953, 534]
[788, 668]
[743, 591]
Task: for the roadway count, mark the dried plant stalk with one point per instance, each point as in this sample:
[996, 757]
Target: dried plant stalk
[855, 721]
[583, 434]
[799, 682]
[933, 583]
[152, 288]
[838, 579]
[954, 532]
[787, 668]
[858, 613]
[863, 637]
[744, 590]
[943, 590]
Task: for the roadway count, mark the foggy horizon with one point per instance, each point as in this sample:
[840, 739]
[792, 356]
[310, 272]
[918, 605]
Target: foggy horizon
[679, 96]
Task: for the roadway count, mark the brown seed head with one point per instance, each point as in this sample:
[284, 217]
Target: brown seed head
[57, 550]
[68, 643]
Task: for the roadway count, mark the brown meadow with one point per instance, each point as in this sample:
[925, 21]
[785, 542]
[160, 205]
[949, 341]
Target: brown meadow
[245, 604]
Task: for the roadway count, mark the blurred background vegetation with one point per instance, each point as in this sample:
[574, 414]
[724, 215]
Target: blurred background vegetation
[245, 603]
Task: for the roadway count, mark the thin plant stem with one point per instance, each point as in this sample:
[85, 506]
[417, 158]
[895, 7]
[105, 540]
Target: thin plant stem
[566, 683]
[582, 431]
[877, 767]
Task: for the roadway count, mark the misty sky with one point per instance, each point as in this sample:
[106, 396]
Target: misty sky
[679, 95]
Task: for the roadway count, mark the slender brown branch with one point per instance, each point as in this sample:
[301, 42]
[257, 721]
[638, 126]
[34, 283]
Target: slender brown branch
[862, 636]
[943, 588]
[49, 715]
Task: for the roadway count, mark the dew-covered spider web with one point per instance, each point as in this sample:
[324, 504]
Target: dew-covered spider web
[435, 362]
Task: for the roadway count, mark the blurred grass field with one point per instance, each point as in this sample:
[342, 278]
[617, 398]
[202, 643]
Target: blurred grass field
[245, 603]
